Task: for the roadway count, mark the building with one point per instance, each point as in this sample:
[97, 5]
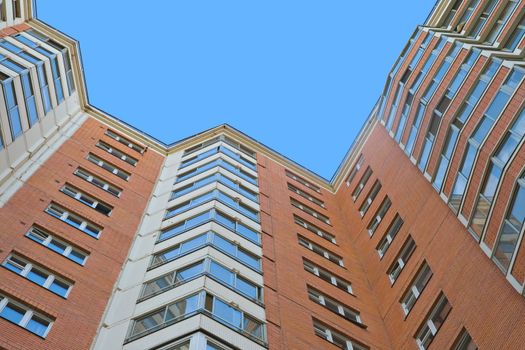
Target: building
[112, 239]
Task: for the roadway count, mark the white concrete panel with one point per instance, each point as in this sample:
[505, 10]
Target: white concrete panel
[111, 338]
[142, 247]
[123, 306]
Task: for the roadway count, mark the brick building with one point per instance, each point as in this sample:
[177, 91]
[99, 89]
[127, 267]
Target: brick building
[112, 239]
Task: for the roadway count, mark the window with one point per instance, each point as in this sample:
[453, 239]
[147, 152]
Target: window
[163, 317]
[305, 195]
[125, 141]
[211, 238]
[234, 203]
[379, 215]
[74, 220]
[219, 149]
[217, 177]
[218, 163]
[314, 229]
[465, 111]
[334, 306]
[362, 183]
[390, 234]
[310, 211]
[109, 167]
[464, 342]
[401, 260]
[57, 245]
[480, 23]
[53, 60]
[65, 54]
[42, 77]
[508, 146]
[223, 138]
[466, 15]
[388, 87]
[509, 234]
[336, 338]
[86, 199]
[119, 154]
[435, 320]
[209, 267]
[416, 288]
[200, 302]
[321, 251]
[451, 13]
[27, 87]
[500, 23]
[355, 169]
[215, 150]
[327, 276]
[38, 275]
[303, 181]
[211, 215]
[25, 317]
[11, 102]
[372, 194]
[481, 131]
[102, 184]
[516, 37]
[247, 324]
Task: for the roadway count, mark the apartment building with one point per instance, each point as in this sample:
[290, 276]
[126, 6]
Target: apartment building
[112, 239]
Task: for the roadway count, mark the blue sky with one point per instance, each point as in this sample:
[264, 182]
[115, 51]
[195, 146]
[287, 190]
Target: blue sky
[300, 76]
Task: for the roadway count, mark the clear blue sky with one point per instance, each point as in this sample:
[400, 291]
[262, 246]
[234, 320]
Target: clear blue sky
[300, 76]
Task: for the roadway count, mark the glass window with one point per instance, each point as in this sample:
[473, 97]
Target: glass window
[432, 325]
[414, 291]
[399, 263]
[72, 253]
[37, 274]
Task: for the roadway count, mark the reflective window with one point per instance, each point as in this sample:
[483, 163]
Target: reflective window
[24, 317]
[416, 288]
[379, 215]
[437, 317]
[74, 220]
[327, 276]
[38, 275]
[334, 306]
[61, 247]
[336, 338]
[314, 229]
[320, 251]
[401, 260]
[102, 184]
[512, 226]
[108, 167]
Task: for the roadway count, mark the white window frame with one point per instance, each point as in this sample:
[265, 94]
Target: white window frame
[312, 228]
[413, 293]
[342, 309]
[47, 240]
[309, 211]
[115, 171]
[399, 264]
[29, 266]
[326, 254]
[337, 282]
[87, 176]
[124, 141]
[117, 153]
[79, 195]
[65, 214]
[27, 316]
